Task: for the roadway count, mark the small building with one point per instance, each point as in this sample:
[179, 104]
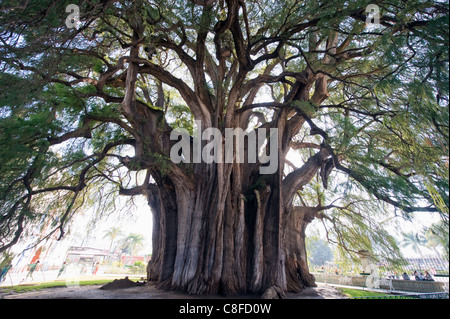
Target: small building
[84, 255]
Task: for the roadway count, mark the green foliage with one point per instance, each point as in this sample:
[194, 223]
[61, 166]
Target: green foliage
[305, 107]
[6, 259]
[352, 293]
[16, 91]
[132, 243]
[161, 162]
[141, 266]
[180, 116]
[318, 251]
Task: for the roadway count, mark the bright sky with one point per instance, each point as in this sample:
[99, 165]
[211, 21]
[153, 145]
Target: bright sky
[138, 220]
[420, 221]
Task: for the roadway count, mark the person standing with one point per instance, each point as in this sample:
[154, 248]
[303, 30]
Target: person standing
[31, 269]
[96, 266]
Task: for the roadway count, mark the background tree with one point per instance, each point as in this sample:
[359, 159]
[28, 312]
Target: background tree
[89, 110]
[416, 241]
[318, 251]
[113, 233]
[132, 243]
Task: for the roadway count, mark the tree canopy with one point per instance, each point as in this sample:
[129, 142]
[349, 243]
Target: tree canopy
[86, 112]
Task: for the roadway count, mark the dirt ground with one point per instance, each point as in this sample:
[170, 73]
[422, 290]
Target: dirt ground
[149, 291]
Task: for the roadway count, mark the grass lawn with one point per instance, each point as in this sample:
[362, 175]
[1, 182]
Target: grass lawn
[349, 292]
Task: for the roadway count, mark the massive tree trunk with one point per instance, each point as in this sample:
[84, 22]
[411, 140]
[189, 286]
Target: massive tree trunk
[221, 234]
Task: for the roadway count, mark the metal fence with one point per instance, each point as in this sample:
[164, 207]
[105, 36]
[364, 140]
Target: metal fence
[437, 295]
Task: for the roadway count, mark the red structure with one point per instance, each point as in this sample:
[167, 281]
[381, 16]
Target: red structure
[130, 260]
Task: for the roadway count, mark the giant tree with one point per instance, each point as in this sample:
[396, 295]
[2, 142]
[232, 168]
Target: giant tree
[87, 110]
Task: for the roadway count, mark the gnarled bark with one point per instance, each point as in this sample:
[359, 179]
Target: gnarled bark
[227, 237]
[297, 272]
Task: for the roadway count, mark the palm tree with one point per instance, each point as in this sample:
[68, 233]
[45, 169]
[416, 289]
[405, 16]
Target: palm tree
[112, 233]
[132, 242]
[415, 241]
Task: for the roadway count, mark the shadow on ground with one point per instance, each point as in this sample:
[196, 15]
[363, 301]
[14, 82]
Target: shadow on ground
[123, 290]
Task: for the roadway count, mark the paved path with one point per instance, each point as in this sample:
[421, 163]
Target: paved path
[150, 292]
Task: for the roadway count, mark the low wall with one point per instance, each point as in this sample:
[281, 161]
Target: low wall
[388, 284]
[417, 286]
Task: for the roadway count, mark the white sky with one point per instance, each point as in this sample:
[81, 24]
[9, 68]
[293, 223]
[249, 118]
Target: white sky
[421, 220]
[139, 220]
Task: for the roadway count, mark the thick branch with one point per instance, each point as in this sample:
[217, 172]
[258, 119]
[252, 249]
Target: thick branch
[302, 176]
